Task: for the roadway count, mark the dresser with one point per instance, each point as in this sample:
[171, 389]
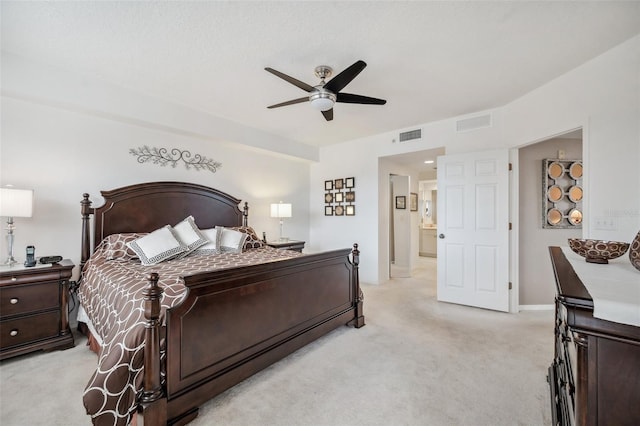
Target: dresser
[33, 309]
[594, 378]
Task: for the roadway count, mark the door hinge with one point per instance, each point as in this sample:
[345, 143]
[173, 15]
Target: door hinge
[510, 226]
[510, 285]
[510, 166]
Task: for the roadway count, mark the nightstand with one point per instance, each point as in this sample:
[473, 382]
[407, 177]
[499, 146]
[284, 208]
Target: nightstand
[33, 308]
[287, 245]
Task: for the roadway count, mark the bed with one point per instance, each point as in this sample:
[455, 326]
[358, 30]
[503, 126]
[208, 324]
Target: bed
[227, 323]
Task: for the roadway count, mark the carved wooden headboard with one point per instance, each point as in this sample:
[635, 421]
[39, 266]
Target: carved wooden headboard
[146, 207]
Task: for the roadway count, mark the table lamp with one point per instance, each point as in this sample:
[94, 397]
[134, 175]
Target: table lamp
[14, 203]
[280, 211]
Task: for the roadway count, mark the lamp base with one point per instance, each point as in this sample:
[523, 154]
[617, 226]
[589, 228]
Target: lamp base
[10, 261]
[10, 227]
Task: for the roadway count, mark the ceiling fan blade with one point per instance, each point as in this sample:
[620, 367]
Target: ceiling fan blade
[298, 83]
[339, 82]
[328, 114]
[349, 98]
[291, 102]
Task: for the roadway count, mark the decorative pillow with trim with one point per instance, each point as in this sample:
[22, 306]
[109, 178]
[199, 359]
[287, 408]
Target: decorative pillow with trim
[189, 235]
[213, 242]
[231, 240]
[252, 241]
[158, 246]
[115, 246]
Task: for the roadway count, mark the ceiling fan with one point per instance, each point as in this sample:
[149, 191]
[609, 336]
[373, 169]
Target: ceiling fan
[325, 95]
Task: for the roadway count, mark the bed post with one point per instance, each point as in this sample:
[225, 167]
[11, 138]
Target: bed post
[85, 211]
[153, 402]
[245, 214]
[358, 321]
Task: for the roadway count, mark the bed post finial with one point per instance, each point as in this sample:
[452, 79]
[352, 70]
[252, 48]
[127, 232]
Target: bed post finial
[358, 321]
[245, 214]
[85, 248]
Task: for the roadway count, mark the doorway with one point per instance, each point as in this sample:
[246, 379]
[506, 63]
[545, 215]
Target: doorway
[412, 165]
[535, 284]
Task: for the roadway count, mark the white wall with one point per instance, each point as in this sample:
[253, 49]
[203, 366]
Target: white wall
[62, 153]
[602, 96]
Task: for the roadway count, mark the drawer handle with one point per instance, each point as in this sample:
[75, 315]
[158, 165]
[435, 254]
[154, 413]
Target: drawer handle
[14, 279]
[13, 333]
[14, 300]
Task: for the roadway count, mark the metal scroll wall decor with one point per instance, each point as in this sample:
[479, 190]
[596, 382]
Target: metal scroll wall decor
[340, 197]
[164, 157]
[562, 193]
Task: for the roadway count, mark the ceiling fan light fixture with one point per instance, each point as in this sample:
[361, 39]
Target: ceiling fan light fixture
[322, 100]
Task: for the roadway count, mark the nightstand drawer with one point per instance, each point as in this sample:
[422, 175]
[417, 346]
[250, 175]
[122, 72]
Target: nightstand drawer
[29, 275]
[29, 329]
[23, 299]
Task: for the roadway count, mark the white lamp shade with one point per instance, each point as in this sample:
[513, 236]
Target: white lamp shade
[281, 210]
[16, 202]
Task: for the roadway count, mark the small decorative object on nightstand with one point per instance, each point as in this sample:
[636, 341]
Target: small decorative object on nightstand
[287, 245]
[33, 308]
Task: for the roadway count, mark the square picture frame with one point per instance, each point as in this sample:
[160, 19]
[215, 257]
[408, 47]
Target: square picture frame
[401, 202]
[350, 196]
[350, 210]
[328, 185]
[413, 202]
[338, 210]
[338, 183]
[328, 210]
[350, 182]
[338, 197]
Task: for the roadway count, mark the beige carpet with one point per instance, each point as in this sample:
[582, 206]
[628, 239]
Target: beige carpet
[416, 362]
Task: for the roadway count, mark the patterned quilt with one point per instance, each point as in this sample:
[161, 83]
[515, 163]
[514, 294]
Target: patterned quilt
[111, 295]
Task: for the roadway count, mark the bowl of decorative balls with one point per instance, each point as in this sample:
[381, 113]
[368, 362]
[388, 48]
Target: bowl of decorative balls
[598, 251]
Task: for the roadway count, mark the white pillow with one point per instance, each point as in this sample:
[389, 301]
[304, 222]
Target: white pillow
[230, 240]
[158, 246]
[213, 242]
[189, 235]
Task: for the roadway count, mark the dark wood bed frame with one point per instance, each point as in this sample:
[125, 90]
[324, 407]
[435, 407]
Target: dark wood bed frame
[234, 322]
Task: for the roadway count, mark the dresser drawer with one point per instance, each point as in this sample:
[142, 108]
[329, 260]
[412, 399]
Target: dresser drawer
[28, 329]
[22, 299]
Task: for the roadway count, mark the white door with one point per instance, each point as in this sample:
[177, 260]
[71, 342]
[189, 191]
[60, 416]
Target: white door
[473, 229]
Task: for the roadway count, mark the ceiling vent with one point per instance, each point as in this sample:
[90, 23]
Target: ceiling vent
[473, 123]
[410, 135]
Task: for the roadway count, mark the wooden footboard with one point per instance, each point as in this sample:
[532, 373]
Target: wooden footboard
[235, 322]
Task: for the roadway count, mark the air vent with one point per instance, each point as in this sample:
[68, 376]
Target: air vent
[410, 135]
[473, 123]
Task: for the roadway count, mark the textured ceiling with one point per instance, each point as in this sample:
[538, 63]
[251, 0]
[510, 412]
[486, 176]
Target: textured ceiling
[430, 60]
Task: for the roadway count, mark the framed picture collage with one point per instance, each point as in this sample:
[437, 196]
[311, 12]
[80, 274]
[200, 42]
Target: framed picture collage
[340, 197]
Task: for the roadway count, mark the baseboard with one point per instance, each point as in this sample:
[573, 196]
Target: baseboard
[536, 307]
